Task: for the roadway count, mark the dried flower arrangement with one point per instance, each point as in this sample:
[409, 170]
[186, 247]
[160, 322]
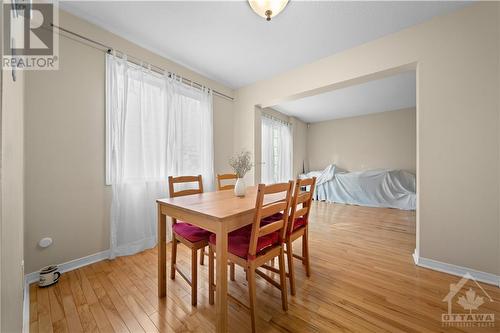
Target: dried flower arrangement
[241, 163]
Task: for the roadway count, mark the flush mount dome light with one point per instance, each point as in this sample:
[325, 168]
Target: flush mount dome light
[268, 8]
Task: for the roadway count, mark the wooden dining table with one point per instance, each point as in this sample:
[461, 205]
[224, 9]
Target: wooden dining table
[219, 212]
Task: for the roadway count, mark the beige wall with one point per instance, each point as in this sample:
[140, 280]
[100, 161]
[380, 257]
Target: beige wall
[66, 196]
[498, 106]
[223, 134]
[457, 131]
[12, 202]
[11, 197]
[382, 140]
[300, 143]
[456, 58]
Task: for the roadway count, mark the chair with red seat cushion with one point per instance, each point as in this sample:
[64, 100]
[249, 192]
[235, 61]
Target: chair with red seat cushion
[298, 226]
[272, 218]
[193, 237]
[238, 242]
[190, 232]
[299, 221]
[253, 246]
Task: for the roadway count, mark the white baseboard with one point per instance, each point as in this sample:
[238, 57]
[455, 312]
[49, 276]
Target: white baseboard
[26, 306]
[456, 270]
[64, 267]
[415, 256]
[73, 264]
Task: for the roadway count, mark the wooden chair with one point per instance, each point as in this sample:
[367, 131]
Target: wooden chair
[298, 222]
[251, 247]
[223, 177]
[193, 237]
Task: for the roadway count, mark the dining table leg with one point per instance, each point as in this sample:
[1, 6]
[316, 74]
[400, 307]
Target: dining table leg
[162, 253]
[221, 279]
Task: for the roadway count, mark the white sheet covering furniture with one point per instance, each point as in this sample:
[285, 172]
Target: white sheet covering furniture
[373, 188]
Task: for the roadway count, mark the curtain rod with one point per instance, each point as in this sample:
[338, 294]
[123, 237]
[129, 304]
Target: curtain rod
[138, 61]
[267, 115]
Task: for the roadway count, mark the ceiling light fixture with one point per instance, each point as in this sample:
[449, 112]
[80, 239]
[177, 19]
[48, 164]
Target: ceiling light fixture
[268, 8]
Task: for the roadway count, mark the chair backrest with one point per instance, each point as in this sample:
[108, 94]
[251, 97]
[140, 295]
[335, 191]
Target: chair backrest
[183, 180]
[225, 176]
[263, 210]
[302, 198]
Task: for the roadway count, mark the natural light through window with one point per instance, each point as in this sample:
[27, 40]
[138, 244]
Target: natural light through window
[276, 150]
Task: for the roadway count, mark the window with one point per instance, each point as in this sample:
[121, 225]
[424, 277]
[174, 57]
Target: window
[156, 127]
[167, 128]
[276, 146]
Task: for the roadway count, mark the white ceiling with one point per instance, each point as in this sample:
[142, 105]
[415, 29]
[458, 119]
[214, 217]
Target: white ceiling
[229, 43]
[388, 94]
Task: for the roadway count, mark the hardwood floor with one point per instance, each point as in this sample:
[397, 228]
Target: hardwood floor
[363, 280]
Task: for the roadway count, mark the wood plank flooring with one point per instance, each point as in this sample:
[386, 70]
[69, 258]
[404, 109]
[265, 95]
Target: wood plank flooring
[363, 280]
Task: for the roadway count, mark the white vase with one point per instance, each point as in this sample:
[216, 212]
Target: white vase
[240, 187]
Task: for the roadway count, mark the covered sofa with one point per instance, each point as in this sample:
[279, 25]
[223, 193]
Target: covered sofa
[373, 188]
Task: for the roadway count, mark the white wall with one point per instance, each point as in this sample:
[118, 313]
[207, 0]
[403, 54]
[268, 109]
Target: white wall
[382, 140]
[66, 196]
[456, 58]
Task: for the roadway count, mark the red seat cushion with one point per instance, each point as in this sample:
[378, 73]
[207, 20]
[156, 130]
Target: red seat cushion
[272, 218]
[239, 241]
[190, 232]
[299, 221]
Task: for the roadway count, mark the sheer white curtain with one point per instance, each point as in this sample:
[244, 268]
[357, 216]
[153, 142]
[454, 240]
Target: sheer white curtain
[156, 127]
[277, 149]
[189, 131]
